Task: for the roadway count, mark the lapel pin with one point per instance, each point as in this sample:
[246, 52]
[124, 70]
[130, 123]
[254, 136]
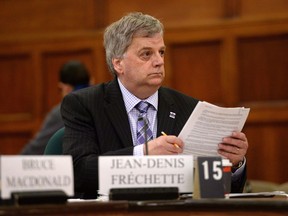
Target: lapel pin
[172, 115]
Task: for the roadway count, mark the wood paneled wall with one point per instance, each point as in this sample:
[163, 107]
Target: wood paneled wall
[228, 52]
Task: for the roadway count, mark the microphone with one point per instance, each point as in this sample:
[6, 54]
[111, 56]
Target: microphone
[145, 135]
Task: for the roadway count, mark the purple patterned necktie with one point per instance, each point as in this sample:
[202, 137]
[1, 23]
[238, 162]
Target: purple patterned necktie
[142, 123]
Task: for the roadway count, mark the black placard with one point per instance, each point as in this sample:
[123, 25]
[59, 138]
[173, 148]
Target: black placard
[210, 177]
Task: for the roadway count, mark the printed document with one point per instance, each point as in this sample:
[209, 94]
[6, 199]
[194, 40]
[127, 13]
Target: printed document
[208, 125]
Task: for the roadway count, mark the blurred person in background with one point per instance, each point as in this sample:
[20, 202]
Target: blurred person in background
[73, 76]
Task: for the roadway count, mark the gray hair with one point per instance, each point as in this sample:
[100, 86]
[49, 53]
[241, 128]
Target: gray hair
[118, 36]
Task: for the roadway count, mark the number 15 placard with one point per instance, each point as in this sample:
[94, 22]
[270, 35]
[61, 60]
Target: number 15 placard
[208, 178]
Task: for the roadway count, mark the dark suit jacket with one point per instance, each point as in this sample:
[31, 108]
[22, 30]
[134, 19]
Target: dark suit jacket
[96, 123]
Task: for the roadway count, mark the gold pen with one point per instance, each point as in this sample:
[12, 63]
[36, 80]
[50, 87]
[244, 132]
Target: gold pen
[164, 134]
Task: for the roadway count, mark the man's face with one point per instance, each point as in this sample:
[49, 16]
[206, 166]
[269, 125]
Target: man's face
[65, 88]
[141, 70]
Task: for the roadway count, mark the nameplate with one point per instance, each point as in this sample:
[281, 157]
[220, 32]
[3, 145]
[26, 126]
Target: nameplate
[36, 173]
[146, 171]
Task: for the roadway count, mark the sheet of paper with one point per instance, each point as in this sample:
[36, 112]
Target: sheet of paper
[208, 125]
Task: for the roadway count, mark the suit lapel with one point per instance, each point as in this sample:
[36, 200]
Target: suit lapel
[166, 113]
[116, 112]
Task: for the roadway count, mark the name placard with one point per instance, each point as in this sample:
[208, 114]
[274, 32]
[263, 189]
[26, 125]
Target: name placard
[146, 171]
[36, 173]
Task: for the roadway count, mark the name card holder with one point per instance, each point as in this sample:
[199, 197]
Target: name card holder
[146, 193]
[39, 197]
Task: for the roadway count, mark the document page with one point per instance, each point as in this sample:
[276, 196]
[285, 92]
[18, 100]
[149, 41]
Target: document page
[208, 125]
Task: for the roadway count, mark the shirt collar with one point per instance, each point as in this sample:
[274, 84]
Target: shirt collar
[131, 100]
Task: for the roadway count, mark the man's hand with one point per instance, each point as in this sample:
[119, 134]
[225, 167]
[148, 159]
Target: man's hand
[234, 147]
[165, 145]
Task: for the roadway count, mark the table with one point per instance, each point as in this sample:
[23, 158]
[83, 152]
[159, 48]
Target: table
[188, 207]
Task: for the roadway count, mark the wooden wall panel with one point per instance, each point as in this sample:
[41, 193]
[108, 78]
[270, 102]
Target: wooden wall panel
[263, 68]
[17, 92]
[12, 143]
[263, 8]
[17, 101]
[172, 13]
[197, 69]
[267, 155]
[33, 16]
[230, 52]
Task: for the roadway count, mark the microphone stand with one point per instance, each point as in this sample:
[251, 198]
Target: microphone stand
[145, 135]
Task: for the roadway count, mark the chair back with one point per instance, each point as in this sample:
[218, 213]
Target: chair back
[54, 145]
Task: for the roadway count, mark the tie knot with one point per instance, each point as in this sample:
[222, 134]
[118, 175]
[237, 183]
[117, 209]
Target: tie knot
[142, 107]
